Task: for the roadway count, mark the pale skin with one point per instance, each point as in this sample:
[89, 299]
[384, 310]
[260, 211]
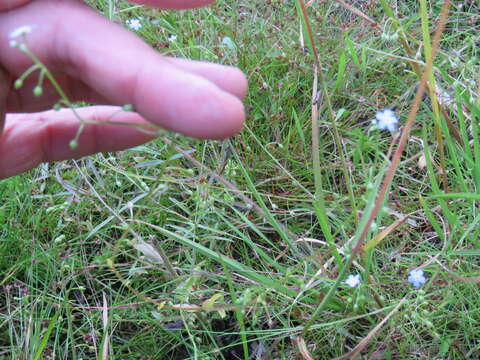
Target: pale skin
[102, 63]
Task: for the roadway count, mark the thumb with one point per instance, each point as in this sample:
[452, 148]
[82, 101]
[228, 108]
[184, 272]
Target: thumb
[10, 4]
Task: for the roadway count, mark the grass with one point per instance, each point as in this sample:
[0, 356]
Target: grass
[144, 254]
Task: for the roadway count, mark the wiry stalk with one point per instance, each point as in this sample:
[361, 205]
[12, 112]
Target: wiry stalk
[326, 96]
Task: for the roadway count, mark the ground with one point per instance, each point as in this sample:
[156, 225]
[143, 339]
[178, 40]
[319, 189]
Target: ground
[144, 254]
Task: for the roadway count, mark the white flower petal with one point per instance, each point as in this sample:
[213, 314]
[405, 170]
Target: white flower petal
[134, 24]
[353, 280]
[22, 31]
[386, 119]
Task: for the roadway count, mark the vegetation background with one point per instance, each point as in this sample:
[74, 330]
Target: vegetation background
[144, 254]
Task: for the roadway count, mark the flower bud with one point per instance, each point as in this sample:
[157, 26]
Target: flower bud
[18, 84]
[38, 91]
[73, 144]
[127, 107]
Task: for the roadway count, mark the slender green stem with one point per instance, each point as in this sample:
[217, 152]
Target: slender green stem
[29, 71]
[331, 116]
[49, 76]
[319, 205]
[432, 92]
[328, 296]
[238, 312]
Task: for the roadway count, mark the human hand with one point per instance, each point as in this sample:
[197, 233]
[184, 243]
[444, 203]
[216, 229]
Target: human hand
[99, 62]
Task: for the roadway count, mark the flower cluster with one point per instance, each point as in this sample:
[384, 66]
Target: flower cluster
[21, 31]
[416, 278]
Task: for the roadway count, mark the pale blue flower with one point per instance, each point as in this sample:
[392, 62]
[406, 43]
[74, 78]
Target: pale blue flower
[416, 278]
[353, 280]
[386, 119]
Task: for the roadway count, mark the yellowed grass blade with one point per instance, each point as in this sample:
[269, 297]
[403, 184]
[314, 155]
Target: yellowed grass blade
[384, 233]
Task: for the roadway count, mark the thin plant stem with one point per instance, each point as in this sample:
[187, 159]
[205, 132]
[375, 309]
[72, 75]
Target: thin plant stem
[320, 208]
[432, 92]
[431, 80]
[336, 134]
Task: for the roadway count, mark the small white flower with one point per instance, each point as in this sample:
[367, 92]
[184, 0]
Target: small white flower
[353, 280]
[172, 37]
[134, 24]
[149, 251]
[386, 119]
[21, 31]
[389, 37]
[416, 278]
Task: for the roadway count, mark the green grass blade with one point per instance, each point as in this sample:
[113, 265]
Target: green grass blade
[46, 336]
[271, 219]
[232, 264]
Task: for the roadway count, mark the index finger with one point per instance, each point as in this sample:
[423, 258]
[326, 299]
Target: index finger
[195, 100]
[10, 4]
[173, 4]
[163, 4]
